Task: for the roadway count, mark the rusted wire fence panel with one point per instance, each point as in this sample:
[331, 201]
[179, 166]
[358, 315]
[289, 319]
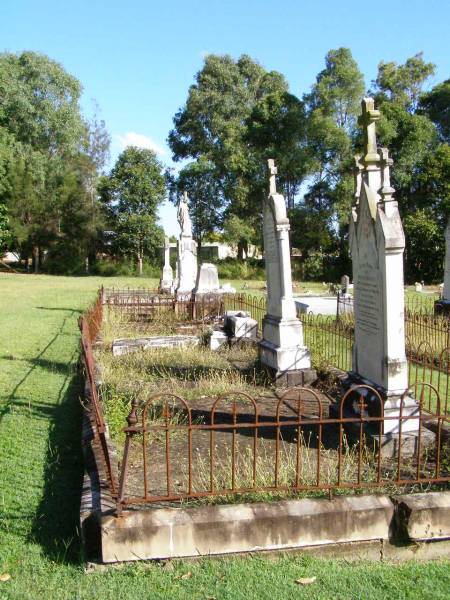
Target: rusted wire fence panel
[330, 339]
[254, 305]
[423, 304]
[146, 305]
[90, 325]
[232, 449]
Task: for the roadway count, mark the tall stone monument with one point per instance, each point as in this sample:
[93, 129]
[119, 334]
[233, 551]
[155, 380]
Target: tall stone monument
[442, 306]
[166, 283]
[282, 348]
[187, 252]
[377, 245]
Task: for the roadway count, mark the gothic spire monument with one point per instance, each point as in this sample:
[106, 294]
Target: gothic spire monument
[377, 245]
[282, 349]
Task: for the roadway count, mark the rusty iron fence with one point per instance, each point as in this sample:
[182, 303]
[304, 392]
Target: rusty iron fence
[329, 338]
[255, 305]
[414, 304]
[90, 324]
[233, 449]
[145, 305]
[175, 451]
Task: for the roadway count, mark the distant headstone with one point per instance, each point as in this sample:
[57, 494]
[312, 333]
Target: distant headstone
[239, 325]
[166, 283]
[187, 252]
[207, 279]
[442, 306]
[218, 339]
[377, 245]
[446, 292]
[345, 283]
[227, 288]
[282, 348]
[418, 287]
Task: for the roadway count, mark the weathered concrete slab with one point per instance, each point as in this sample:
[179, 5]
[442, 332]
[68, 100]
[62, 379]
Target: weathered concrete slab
[424, 516]
[208, 530]
[128, 345]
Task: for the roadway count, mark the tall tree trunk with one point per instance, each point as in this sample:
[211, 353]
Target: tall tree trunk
[36, 259]
[140, 264]
[242, 249]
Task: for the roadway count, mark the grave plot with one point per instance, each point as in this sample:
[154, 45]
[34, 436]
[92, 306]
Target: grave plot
[190, 423]
[185, 427]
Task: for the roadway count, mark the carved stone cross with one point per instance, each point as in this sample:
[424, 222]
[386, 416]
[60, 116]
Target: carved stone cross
[386, 162]
[367, 121]
[272, 178]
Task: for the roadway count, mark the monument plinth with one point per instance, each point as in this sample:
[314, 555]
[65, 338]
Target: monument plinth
[187, 253]
[282, 349]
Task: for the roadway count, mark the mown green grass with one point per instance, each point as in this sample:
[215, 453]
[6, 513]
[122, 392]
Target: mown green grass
[41, 471]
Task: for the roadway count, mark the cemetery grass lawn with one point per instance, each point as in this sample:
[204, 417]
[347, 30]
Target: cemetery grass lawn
[41, 472]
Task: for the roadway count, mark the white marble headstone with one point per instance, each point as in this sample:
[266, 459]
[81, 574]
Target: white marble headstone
[446, 291]
[208, 279]
[377, 245]
[282, 346]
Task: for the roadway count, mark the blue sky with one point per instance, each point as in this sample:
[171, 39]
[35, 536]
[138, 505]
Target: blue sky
[136, 59]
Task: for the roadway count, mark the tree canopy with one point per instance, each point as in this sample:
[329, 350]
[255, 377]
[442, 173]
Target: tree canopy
[131, 194]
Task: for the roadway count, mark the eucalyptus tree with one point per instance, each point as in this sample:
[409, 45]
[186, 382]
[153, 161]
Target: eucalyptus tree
[225, 121]
[39, 109]
[206, 202]
[131, 195]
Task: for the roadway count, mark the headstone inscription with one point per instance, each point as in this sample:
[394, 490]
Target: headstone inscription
[377, 245]
[187, 251]
[282, 348]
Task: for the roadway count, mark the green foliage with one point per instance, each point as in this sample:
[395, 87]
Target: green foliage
[214, 124]
[206, 202]
[110, 267]
[231, 268]
[277, 129]
[409, 135]
[425, 247]
[5, 234]
[39, 103]
[436, 105]
[332, 108]
[131, 195]
[338, 89]
[403, 84]
[49, 157]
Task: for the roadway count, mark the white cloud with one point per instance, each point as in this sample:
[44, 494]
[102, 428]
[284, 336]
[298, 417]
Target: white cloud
[131, 138]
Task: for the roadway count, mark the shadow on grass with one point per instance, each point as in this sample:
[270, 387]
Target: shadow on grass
[71, 310]
[55, 526]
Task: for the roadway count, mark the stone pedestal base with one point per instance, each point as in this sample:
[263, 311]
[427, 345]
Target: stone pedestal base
[390, 439]
[442, 307]
[281, 353]
[166, 287]
[287, 379]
